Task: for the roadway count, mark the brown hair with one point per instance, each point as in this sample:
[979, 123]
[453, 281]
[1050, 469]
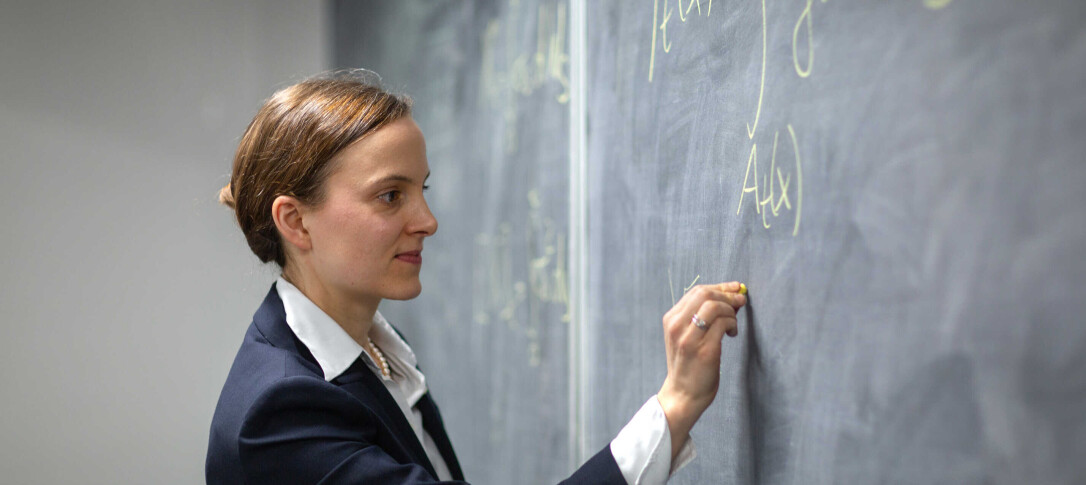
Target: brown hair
[287, 147]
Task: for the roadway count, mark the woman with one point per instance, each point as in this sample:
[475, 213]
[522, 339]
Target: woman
[328, 183]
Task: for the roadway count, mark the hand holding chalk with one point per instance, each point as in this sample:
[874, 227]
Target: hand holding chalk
[693, 330]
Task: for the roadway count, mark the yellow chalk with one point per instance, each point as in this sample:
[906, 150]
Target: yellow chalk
[742, 289]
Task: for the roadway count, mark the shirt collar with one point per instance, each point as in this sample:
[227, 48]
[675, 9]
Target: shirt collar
[335, 350]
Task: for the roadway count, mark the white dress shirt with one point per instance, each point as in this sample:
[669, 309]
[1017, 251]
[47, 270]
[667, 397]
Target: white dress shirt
[642, 449]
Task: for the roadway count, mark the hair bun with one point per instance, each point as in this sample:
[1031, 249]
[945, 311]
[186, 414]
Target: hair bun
[226, 197]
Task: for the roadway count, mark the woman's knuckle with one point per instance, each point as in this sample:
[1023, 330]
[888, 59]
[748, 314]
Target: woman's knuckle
[736, 301]
[688, 342]
[726, 310]
[680, 340]
[672, 329]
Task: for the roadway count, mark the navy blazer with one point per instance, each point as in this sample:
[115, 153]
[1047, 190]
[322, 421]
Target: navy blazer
[279, 422]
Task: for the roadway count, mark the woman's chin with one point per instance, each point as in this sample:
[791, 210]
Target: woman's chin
[408, 292]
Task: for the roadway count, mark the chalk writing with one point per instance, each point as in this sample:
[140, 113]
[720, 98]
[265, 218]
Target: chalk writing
[692, 283]
[671, 286]
[799, 177]
[549, 61]
[547, 258]
[662, 26]
[803, 21]
[772, 192]
[688, 7]
[761, 85]
[768, 203]
[778, 191]
[506, 74]
[803, 71]
[500, 293]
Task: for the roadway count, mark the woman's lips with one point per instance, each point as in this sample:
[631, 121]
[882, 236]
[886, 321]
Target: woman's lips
[411, 257]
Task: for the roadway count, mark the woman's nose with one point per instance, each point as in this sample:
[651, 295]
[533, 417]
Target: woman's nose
[425, 223]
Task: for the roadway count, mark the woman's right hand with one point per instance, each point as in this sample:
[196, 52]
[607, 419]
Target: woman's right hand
[693, 354]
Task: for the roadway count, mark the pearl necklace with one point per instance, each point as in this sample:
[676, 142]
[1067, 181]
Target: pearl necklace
[385, 371]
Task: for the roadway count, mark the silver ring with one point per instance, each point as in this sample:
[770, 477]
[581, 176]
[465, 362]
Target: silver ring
[698, 322]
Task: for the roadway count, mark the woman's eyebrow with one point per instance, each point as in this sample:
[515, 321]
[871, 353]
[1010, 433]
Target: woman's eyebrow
[398, 178]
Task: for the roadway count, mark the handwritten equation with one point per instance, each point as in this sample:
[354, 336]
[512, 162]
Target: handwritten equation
[777, 192]
[527, 72]
[662, 27]
[507, 74]
[521, 292]
[771, 192]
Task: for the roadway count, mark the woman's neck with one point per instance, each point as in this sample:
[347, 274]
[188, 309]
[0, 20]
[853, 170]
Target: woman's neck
[353, 315]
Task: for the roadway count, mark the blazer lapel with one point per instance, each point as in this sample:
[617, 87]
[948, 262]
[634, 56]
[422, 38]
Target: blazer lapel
[359, 379]
[271, 320]
[432, 422]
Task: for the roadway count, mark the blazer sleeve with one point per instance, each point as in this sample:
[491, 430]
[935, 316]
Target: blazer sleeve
[301, 430]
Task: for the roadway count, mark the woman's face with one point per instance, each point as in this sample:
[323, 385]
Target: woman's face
[367, 234]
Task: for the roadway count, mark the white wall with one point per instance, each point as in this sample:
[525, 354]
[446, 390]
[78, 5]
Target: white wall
[124, 287]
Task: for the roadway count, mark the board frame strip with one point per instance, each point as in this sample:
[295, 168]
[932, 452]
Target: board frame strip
[578, 247]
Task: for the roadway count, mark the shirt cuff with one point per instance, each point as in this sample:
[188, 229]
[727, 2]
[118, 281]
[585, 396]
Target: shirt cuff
[643, 448]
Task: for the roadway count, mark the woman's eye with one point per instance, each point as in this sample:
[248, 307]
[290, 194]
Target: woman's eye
[425, 188]
[390, 196]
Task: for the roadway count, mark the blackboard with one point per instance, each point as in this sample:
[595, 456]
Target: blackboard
[902, 185]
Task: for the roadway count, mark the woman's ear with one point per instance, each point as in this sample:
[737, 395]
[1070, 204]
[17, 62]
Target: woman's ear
[287, 214]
